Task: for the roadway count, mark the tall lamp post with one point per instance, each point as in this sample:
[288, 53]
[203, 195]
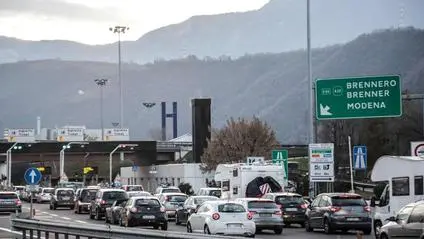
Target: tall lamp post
[9, 163]
[111, 154]
[62, 157]
[101, 83]
[120, 30]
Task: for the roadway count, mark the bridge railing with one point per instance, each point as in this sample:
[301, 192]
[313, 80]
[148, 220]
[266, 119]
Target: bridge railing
[46, 229]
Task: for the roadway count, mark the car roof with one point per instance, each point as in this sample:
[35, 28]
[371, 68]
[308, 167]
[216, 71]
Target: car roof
[173, 187]
[217, 202]
[203, 196]
[8, 192]
[179, 194]
[284, 194]
[340, 194]
[111, 190]
[145, 197]
[254, 199]
[70, 189]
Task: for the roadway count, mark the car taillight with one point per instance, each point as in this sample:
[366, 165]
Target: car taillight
[367, 209]
[167, 199]
[102, 202]
[303, 206]
[335, 209]
[215, 216]
[278, 213]
[133, 210]
[18, 202]
[162, 209]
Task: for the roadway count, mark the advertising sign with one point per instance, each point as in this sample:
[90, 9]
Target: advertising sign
[70, 134]
[321, 162]
[20, 135]
[117, 134]
[417, 149]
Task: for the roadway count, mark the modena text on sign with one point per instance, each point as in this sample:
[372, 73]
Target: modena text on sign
[361, 97]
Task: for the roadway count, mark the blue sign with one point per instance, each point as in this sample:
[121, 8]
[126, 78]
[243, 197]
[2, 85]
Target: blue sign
[32, 176]
[360, 157]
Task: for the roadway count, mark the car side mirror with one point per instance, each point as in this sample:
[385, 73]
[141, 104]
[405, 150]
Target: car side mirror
[391, 219]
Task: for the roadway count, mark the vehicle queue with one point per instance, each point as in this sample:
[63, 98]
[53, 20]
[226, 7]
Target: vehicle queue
[207, 213]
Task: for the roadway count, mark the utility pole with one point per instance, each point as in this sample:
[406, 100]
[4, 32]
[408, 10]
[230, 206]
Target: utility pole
[101, 83]
[120, 30]
[409, 97]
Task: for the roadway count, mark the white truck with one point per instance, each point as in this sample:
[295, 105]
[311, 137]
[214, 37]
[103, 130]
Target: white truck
[236, 179]
[404, 177]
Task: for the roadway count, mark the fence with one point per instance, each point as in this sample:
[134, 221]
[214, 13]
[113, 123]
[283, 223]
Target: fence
[45, 229]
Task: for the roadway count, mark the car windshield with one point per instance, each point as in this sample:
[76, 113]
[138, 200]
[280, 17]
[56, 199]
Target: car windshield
[176, 198]
[114, 195]
[199, 201]
[170, 190]
[147, 202]
[231, 207]
[287, 200]
[48, 190]
[341, 201]
[88, 194]
[134, 188]
[261, 204]
[136, 194]
[8, 196]
[65, 192]
[216, 193]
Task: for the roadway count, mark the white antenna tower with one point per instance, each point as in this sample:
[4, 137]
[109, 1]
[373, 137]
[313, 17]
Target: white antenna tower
[402, 11]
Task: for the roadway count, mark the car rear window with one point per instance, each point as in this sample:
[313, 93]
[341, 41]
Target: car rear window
[8, 196]
[341, 201]
[65, 192]
[50, 190]
[176, 198]
[134, 188]
[216, 193]
[147, 202]
[136, 194]
[231, 207]
[170, 190]
[199, 201]
[286, 200]
[261, 204]
[114, 195]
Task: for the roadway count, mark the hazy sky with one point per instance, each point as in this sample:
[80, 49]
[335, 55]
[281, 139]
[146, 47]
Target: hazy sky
[88, 21]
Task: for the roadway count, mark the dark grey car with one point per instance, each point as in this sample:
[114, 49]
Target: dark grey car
[338, 211]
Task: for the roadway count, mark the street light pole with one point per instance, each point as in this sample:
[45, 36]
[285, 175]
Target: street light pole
[9, 164]
[120, 30]
[62, 158]
[310, 80]
[110, 158]
[101, 83]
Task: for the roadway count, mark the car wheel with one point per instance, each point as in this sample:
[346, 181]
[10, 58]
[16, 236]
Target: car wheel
[327, 227]
[383, 236]
[97, 215]
[206, 230]
[50, 207]
[302, 225]
[164, 226]
[91, 215]
[79, 210]
[177, 220]
[278, 231]
[54, 206]
[189, 229]
[367, 232]
[377, 228]
[106, 219]
[308, 227]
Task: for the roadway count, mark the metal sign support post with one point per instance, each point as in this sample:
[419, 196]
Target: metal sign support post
[30, 207]
[351, 166]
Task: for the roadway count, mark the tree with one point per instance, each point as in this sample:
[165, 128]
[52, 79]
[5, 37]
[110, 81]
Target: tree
[237, 140]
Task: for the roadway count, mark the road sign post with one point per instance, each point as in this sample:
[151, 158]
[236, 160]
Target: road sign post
[32, 176]
[358, 97]
[281, 157]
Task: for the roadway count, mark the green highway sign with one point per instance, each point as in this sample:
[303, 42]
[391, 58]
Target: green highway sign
[281, 156]
[358, 97]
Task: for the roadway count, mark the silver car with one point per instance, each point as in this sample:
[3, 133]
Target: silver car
[408, 223]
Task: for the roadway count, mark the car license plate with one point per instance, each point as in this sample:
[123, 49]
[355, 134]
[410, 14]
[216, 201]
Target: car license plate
[265, 214]
[66, 198]
[148, 217]
[233, 225]
[291, 209]
[352, 219]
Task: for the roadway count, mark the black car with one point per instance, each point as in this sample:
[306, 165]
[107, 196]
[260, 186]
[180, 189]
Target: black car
[183, 212]
[10, 202]
[84, 198]
[104, 199]
[62, 197]
[113, 213]
[338, 211]
[144, 211]
[292, 205]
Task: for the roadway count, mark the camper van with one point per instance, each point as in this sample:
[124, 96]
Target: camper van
[249, 180]
[404, 177]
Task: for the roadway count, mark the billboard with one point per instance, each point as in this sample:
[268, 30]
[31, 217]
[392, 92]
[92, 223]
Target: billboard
[117, 134]
[321, 162]
[19, 135]
[70, 134]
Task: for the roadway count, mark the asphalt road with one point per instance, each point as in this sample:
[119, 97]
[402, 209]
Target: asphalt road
[68, 216]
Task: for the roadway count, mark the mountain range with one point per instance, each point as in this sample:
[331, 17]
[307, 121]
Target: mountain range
[278, 26]
[272, 86]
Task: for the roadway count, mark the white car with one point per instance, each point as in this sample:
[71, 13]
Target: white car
[44, 195]
[222, 218]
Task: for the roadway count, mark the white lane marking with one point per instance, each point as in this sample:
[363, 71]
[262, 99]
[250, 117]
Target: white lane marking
[80, 221]
[66, 218]
[54, 215]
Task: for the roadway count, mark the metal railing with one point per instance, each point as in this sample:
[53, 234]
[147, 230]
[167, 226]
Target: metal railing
[46, 229]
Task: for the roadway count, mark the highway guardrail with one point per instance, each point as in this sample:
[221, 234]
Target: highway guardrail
[46, 229]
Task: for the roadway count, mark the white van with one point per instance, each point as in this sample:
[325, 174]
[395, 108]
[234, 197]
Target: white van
[404, 175]
[234, 179]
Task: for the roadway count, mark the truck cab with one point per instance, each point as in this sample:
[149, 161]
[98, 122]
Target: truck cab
[404, 177]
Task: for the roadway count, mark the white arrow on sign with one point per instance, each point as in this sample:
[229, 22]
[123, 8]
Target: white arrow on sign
[324, 110]
[32, 175]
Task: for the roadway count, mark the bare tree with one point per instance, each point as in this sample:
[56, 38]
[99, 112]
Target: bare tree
[237, 140]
